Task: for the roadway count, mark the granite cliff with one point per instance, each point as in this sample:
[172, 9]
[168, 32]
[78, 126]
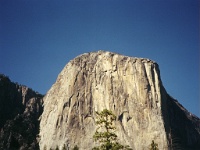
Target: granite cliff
[131, 88]
[20, 109]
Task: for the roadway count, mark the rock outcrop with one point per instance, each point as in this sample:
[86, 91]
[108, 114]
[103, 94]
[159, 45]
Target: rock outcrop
[20, 109]
[131, 88]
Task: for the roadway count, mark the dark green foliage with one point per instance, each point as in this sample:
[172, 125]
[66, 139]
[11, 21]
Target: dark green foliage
[154, 146]
[107, 136]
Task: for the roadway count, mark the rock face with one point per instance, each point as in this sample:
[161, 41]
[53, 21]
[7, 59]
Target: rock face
[20, 108]
[131, 88]
[183, 128]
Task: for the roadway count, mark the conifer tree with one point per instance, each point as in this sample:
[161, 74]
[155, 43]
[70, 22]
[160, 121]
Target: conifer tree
[106, 136]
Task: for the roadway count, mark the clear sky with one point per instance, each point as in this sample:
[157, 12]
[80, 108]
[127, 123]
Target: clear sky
[39, 37]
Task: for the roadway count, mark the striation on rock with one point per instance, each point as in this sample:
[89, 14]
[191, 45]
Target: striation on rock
[130, 87]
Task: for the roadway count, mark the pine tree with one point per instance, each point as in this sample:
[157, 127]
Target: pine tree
[107, 136]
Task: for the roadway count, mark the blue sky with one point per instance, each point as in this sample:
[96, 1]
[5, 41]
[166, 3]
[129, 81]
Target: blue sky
[38, 38]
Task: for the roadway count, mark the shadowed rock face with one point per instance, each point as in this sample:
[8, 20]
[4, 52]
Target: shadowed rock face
[20, 108]
[184, 128]
[131, 88]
